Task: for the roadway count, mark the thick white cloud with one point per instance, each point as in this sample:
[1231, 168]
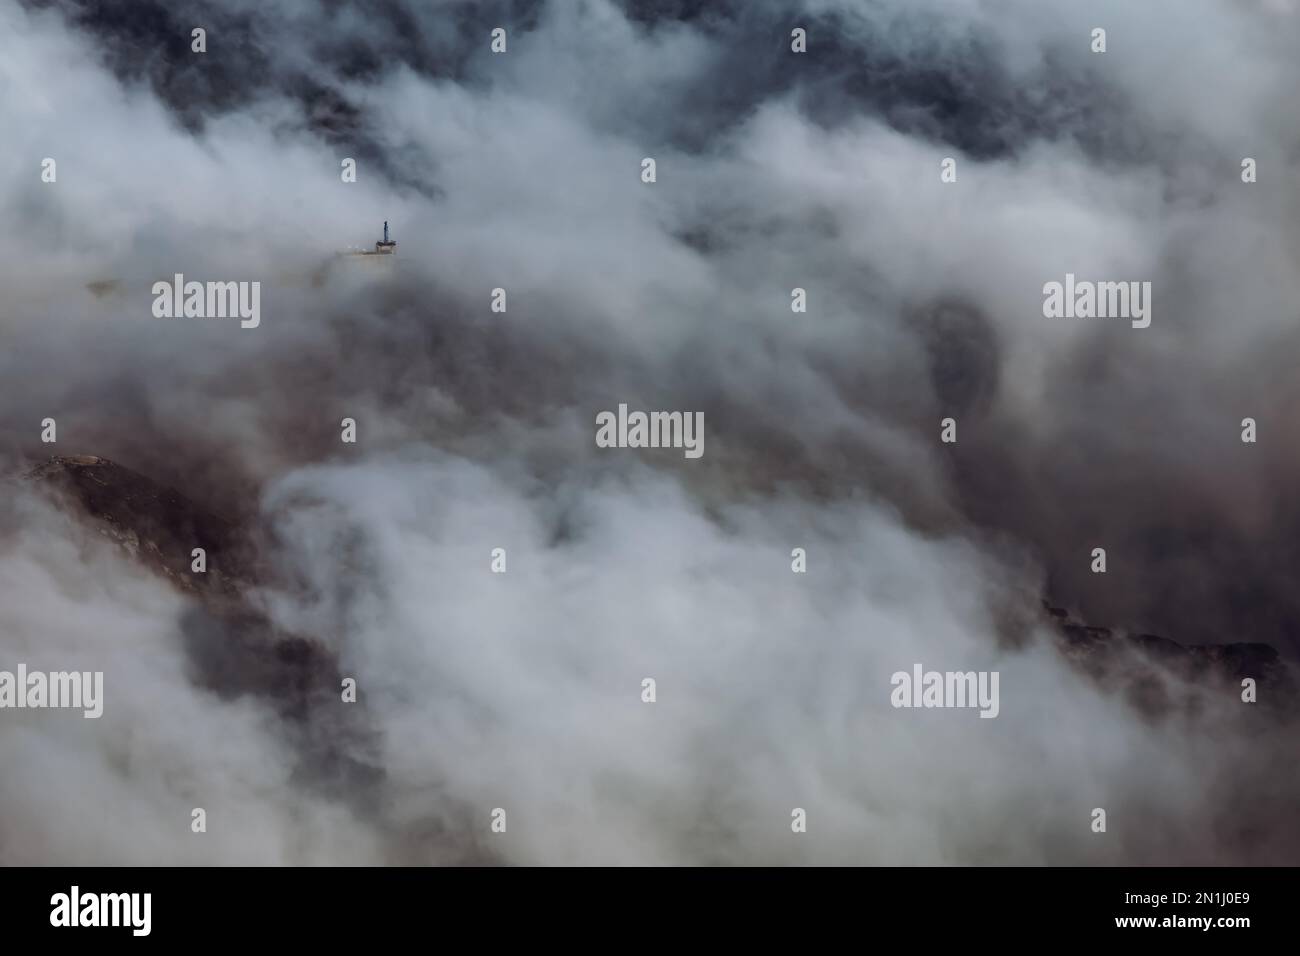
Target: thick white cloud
[522, 171]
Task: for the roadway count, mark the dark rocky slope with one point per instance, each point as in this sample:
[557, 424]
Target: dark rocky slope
[233, 647]
[236, 650]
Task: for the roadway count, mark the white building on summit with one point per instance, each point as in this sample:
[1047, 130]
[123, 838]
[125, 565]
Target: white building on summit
[384, 247]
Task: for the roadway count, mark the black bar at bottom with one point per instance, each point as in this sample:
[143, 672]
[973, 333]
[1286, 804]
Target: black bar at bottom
[657, 906]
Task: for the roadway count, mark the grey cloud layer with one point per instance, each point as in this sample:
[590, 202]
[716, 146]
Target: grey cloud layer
[775, 171]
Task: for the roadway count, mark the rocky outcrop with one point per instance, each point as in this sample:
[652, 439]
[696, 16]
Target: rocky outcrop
[1158, 674]
[155, 525]
[233, 647]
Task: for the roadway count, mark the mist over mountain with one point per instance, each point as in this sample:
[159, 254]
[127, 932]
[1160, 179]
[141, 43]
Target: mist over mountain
[775, 171]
